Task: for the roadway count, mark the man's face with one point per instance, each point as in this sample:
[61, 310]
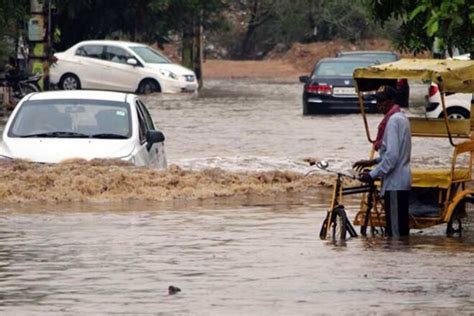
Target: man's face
[384, 106]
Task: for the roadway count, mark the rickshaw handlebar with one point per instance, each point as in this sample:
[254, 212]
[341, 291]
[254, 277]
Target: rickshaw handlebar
[338, 173]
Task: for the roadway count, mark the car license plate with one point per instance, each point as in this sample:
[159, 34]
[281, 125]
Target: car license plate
[344, 91]
[190, 88]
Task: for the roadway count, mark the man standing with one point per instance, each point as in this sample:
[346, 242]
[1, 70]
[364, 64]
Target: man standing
[393, 164]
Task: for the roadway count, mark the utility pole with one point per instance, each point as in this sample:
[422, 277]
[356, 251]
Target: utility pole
[39, 31]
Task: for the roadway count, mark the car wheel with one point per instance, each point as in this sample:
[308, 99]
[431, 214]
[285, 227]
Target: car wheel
[148, 86]
[70, 82]
[305, 108]
[456, 113]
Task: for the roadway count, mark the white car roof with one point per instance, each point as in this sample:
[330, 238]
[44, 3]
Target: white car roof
[82, 94]
[110, 42]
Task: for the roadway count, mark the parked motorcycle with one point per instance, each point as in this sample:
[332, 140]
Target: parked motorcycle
[21, 84]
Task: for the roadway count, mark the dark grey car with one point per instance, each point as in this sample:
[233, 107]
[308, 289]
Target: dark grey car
[330, 87]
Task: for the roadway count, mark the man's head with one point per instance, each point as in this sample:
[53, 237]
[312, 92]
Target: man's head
[385, 97]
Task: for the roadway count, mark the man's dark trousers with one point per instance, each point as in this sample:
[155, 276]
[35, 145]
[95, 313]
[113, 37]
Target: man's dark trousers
[396, 213]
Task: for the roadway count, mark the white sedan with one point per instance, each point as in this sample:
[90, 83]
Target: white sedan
[49, 127]
[119, 66]
[458, 105]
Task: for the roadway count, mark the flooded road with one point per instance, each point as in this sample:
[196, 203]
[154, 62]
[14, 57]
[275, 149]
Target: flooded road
[227, 260]
[251, 251]
[255, 125]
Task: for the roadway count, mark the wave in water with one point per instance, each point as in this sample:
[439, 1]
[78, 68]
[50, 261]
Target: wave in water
[106, 180]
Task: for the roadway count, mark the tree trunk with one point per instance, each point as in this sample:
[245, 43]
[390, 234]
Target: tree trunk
[187, 52]
[245, 48]
[198, 51]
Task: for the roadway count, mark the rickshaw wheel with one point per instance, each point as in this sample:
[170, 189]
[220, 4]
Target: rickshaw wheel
[338, 224]
[463, 217]
[324, 229]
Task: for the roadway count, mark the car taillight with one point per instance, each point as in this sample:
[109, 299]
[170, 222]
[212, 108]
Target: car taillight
[54, 59]
[432, 90]
[319, 89]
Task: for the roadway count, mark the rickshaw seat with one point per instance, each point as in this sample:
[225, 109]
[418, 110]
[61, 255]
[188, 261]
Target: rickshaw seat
[438, 178]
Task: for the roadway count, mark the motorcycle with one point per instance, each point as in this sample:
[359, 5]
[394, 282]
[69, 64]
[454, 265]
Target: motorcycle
[21, 84]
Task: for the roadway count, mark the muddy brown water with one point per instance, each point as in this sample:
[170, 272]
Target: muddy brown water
[249, 250]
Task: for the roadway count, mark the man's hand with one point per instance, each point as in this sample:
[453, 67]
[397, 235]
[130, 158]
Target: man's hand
[362, 164]
[365, 177]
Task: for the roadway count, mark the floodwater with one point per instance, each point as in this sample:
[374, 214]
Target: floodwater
[233, 223]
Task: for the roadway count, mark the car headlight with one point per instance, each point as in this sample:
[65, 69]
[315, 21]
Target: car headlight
[168, 74]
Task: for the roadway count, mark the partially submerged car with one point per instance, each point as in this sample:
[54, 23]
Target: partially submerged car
[330, 87]
[49, 127]
[119, 66]
[458, 105]
[382, 57]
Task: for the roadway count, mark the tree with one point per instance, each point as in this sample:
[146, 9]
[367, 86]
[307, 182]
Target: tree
[12, 17]
[272, 22]
[450, 21]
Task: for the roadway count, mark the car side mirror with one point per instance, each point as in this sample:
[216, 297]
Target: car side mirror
[153, 137]
[304, 79]
[132, 62]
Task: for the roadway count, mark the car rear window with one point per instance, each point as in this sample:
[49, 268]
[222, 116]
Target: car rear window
[149, 55]
[339, 68]
[378, 58]
[63, 118]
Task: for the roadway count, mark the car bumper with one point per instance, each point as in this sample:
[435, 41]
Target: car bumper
[175, 86]
[433, 109]
[54, 77]
[316, 105]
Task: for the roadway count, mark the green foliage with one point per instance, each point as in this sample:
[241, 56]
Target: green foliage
[12, 15]
[139, 20]
[422, 21]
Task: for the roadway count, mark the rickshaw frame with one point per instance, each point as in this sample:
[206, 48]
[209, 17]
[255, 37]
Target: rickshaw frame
[451, 76]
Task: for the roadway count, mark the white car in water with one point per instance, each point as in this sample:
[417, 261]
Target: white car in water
[50, 127]
[458, 105]
[119, 66]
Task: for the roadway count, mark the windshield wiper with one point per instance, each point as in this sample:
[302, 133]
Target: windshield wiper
[109, 135]
[58, 134]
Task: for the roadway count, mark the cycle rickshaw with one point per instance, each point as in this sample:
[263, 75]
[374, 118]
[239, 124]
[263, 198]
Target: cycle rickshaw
[438, 196]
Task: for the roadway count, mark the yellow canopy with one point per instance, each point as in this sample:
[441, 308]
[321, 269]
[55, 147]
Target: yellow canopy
[438, 178]
[449, 75]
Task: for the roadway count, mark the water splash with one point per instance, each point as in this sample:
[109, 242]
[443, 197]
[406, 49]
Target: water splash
[110, 180]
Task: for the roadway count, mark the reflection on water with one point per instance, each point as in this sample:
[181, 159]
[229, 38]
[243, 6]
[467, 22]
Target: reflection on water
[226, 260]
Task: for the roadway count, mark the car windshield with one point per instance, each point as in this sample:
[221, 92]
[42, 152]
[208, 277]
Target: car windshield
[72, 119]
[149, 55]
[339, 68]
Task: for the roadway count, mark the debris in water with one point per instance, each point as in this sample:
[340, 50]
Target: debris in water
[173, 290]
